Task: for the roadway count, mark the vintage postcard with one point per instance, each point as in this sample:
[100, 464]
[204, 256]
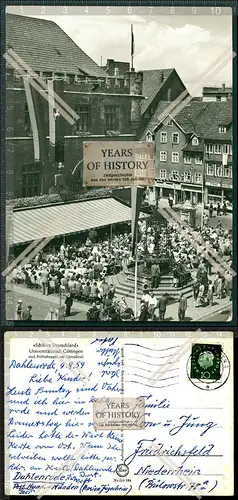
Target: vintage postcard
[122, 413]
[119, 190]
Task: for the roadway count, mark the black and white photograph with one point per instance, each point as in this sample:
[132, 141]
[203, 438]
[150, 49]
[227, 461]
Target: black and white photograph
[144, 93]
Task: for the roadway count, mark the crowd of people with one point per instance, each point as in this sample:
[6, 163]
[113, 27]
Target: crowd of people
[79, 272]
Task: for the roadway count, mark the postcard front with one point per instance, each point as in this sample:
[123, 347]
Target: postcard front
[123, 414]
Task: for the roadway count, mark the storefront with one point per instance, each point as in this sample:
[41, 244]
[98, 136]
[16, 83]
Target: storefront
[192, 193]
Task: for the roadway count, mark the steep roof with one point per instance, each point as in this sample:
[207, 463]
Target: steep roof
[46, 47]
[202, 118]
[152, 84]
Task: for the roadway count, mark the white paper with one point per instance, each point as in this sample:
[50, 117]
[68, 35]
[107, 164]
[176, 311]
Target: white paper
[184, 448]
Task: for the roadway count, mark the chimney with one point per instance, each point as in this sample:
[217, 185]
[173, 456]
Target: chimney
[223, 86]
[169, 95]
[162, 76]
[110, 67]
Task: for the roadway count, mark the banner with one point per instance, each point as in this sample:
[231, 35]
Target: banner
[56, 122]
[114, 163]
[35, 103]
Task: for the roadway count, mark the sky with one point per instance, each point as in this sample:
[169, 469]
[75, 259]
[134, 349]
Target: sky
[188, 42]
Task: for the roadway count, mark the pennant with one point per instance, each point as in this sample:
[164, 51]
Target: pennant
[35, 103]
[137, 195]
[56, 122]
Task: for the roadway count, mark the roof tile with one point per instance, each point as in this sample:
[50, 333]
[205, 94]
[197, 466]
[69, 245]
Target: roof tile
[46, 47]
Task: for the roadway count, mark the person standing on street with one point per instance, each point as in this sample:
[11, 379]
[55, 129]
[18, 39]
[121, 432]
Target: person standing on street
[155, 275]
[218, 208]
[26, 315]
[210, 293]
[183, 304]
[210, 210]
[152, 306]
[18, 316]
[45, 280]
[162, 304]
[68, 304]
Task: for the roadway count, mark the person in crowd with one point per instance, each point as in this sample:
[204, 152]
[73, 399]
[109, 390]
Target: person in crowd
[211, 210]
[171, 201]
[152, 305]
[27, 315]
[200, 298]
[210, 293]
[196, 286]
[155, 275]
[144, 312]
[18, 316]
[182, 307]
[45, 280]
[68, 304]
[162, 305]
[93, 312]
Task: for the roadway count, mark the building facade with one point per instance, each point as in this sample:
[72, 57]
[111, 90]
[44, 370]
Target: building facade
[107, 107]
[193, 158]
[222, 93]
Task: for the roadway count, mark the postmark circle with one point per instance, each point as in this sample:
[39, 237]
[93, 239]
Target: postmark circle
[122, 470]
[205, 383]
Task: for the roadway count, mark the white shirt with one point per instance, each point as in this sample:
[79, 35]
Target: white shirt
[153, 301]
[146, 297]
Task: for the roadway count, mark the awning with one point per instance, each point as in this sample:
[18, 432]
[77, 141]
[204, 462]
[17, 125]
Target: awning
[56, 220]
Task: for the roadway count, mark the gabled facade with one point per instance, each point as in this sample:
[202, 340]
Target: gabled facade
[193, 151]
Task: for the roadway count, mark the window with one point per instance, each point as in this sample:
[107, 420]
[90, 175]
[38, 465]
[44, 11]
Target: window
[27, 121]
[217, 148]
[198, 178]
[227, 171]
[83, 123]
[111, 117]
[187, 159]
[227, 149]
[210, 170]
[163, 137]
[175, 175]
[198, 160]
[163, 156]
[31, 180]
[175, 138]
[187, 176]
[194, 141]
[209, 148]
[218, 171]
[169, 123]
[222, 129]
[163, 175]
[175, 157]
[149, 137]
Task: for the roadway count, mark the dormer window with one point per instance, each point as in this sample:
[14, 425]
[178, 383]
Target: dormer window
[222, 129]
[169, 123]
[149, 137]
[195, 141]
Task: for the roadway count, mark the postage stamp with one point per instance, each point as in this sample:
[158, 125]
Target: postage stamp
[208, 366]
[118, 413]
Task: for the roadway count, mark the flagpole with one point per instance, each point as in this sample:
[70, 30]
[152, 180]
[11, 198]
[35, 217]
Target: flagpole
[136, 273]
[132, 48]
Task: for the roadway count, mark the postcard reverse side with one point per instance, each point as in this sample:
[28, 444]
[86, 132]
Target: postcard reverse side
[126, 414]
